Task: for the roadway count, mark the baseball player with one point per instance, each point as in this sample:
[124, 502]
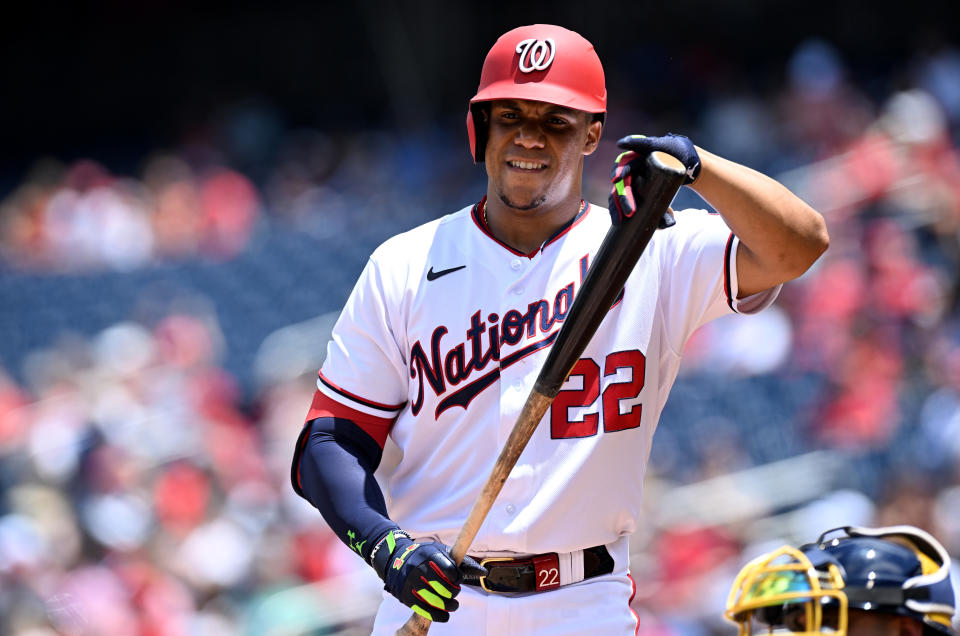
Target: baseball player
[892, 581]
[445, 331]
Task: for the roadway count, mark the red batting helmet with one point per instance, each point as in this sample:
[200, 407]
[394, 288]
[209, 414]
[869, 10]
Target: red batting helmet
[540, 62]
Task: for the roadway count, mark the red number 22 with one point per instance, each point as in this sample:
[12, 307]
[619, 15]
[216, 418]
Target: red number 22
[566, 417]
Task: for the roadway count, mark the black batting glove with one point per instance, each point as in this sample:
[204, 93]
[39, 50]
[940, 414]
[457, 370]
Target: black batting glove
[422, 576]
[676, 145]
[627, 177]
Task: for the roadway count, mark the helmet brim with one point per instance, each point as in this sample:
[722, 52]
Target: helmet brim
[540, 92]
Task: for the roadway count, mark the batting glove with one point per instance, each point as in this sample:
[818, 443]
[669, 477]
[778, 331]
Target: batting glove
[627, 177]
[422, 575]
[676, 145]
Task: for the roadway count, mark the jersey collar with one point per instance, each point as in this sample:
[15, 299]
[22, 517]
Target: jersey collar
[481, 222]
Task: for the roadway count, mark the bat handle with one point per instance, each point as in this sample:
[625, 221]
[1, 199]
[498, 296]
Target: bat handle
[416, 625]
[533, 410]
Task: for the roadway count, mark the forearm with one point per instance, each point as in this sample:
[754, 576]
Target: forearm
[781, 236]
[336, 467]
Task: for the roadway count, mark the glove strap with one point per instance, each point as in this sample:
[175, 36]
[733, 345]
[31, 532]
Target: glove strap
[389, 541]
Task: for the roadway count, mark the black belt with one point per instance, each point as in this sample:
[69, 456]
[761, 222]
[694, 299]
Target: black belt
[536, 573]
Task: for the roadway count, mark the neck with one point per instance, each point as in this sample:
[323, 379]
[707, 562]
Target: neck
[526, 230]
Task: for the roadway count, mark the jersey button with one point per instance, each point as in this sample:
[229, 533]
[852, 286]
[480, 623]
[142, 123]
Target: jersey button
[510, 508]
[518, 291]
[515, 263]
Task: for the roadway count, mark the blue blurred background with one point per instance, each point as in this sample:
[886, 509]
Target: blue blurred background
[187, 195]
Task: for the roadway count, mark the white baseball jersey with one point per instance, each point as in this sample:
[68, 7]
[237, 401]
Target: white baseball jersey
[444, 335]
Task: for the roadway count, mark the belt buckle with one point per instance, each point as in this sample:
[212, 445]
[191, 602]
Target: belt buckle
[483, 579]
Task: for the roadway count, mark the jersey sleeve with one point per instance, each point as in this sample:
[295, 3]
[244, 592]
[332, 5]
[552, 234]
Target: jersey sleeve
[698, 275]
[364, 376]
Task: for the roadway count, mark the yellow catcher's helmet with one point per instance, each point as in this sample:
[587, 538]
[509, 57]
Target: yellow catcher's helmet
[784, 577]
[900, 571]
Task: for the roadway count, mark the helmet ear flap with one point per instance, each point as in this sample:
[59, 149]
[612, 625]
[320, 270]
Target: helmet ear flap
[478, 123]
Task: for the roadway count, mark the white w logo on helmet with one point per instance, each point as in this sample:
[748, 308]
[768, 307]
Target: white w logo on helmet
[536, 55]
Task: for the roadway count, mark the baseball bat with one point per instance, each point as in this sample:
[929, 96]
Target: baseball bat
[618, 254]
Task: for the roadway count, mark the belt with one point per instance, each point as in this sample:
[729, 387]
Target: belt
[542, 572]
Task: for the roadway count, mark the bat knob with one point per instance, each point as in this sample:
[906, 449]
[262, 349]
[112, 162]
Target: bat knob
[668, 161]
[416, 625]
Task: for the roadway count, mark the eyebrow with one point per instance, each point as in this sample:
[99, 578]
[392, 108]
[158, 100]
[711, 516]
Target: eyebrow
[553, 109]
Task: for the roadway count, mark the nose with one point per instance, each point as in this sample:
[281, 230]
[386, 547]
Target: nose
[529, 135]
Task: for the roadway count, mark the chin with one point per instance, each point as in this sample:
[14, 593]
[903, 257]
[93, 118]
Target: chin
[523, 203]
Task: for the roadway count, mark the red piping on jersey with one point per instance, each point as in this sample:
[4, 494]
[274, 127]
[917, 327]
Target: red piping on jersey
[376, 427]
[356, 398]
[581, 214]
[726, 272]
[478, 220]
[482, 224]
[633, 592]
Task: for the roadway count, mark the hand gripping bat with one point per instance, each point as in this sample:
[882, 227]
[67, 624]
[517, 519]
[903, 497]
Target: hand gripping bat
[618, 254]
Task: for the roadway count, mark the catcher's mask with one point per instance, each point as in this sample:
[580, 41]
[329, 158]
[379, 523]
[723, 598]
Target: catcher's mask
[539, 62]
[898, 570]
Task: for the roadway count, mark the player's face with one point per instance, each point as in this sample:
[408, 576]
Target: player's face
[534, 154]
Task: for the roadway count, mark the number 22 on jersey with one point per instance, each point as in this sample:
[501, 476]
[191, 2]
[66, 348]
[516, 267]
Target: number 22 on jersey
[574, 410]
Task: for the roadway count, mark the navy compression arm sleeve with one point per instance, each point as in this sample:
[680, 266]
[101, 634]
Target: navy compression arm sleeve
[336, 464]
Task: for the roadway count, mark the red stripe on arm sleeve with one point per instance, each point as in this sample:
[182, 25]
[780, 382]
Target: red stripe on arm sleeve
[376, 427]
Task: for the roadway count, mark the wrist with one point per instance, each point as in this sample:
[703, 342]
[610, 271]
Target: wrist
[384, 548]
[710, 166]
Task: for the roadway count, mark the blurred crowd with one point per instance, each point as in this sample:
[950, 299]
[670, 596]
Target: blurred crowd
[876, 323]
[144, 490]
[139, 497]
[80, 217]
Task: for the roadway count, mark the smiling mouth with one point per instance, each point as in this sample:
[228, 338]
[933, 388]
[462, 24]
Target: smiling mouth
[527, 165]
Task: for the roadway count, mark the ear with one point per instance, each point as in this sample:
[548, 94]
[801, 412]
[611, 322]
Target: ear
[594, 130]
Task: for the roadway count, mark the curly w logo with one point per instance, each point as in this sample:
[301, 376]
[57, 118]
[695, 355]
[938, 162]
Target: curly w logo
[536, 55]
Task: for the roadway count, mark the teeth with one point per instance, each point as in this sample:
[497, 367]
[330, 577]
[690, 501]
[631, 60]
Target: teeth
[526, 165]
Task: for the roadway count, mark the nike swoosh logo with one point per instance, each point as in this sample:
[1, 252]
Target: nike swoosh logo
[432, 275]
